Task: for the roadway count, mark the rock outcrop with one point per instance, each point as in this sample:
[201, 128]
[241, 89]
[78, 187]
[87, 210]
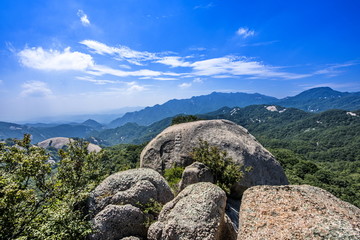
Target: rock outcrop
[60, 142]
[196, 213]
[194, 173]
[174, 145]
[116, 222]
[296, 212]
[115, 203]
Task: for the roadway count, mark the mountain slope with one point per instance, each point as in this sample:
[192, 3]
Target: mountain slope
[194, 105]
[322, 99]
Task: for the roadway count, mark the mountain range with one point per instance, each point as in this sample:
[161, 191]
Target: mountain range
[140, 126]
[312, 100]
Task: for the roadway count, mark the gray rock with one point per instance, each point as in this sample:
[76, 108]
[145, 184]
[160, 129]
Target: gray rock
[296, 212]
[131, 238]
[60, 142]
[115, 222]
[232, 217]
[135, 186]
[194, 173]
[196, 213]
[174, 145]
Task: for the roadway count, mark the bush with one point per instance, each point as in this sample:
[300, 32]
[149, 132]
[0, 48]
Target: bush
[184, 119]
[173, 177]
[224, 170]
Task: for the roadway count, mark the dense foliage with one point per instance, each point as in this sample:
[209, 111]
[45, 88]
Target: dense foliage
[184, 119]
[224, 170]
[44, 200]
[173, 177]
[38, 203]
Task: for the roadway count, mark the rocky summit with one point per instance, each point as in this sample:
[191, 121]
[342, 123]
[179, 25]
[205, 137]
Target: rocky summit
[174, 145]
[138, 204]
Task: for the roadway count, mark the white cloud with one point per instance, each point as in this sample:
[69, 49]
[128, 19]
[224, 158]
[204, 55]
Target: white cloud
[35, 89]
[132, 87]
[125, 66]
[332, 70]
[197, 49]
[99, 70]
[39, 58]
[83, 18]
[205, 6]
[231, 65]
[165, 79]
[121, 53]
[198, 80]
[185, 85]
[174, 62]
[96, 81]
[245, 32]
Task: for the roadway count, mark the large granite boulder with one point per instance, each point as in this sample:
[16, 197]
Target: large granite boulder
[194, 173]
[115, 222]
[116, 203]
[296, 212]
[174, 145]
[134, 186]
[196, 213]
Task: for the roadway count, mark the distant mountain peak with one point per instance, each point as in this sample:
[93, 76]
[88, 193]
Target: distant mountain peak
[92, 123]
[320, 92]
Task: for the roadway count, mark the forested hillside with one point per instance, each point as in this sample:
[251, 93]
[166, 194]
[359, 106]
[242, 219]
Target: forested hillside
[320, 149]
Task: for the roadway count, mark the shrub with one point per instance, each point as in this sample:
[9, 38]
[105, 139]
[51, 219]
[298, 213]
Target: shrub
[173, 177]
[225, 171]
[184, 119]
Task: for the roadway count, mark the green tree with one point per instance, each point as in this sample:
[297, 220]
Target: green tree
[25, 191]
[184, 119]
[38, 203]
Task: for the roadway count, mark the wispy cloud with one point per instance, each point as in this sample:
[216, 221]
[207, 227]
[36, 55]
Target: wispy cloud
[257, 44]
[39, 58]
[204, 6]
[197, 49]
[333, 70]
[185, 85]
[121, 52]
[35, 89]
[99, 70]
[174, 62]
[83, 18]
[198, 80]
[96, 81]
[132, 87]
[245, 32]
[231, 65]
[165, 79]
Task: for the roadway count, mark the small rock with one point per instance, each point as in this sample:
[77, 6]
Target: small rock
[194, 173]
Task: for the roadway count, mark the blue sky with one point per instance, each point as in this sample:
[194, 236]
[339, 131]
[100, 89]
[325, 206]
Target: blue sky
[76, 57]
